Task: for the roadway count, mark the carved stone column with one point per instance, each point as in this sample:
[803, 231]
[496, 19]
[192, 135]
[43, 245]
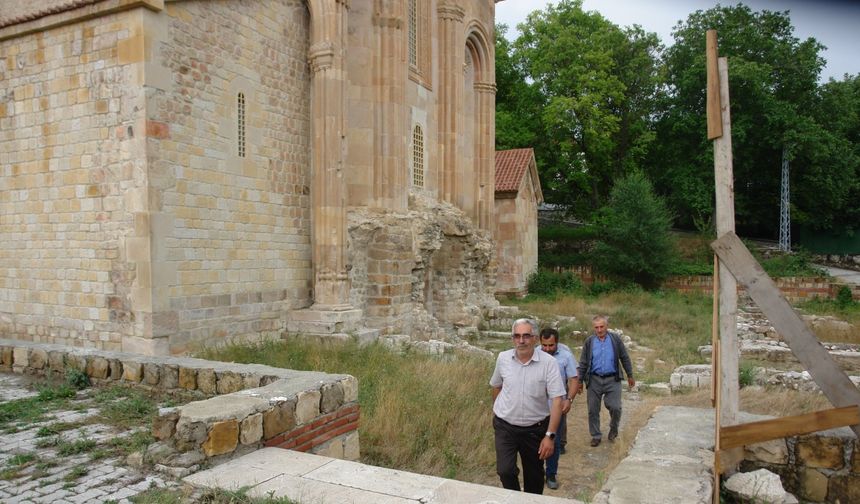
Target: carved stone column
[389, 169]
[485, 135]
[451, 79]
[331, 312]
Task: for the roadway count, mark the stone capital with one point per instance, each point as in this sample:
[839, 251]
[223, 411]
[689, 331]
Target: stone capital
[321, 56]
[451, 12]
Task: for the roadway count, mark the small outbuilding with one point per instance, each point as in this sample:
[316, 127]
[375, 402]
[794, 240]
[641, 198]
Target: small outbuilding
[518, 195]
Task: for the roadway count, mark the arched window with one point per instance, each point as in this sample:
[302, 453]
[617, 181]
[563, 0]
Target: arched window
[418, 40]
[417, 156]
[240, 126]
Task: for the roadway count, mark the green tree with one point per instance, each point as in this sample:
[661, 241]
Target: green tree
[598, 84]
[634, 241]
[518, 104]
[773, 87]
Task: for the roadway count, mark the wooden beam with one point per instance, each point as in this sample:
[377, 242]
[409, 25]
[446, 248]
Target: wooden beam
[832, 381]
[715, 122]
[725, 459]
[765, 430]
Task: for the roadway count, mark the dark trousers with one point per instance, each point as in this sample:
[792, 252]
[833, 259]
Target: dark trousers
[609, 390]
[525, 441]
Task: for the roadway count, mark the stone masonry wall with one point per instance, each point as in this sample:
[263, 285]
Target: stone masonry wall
[72, 134]
[422, 272]
[820, 467]
[252, 405]
[235, 253]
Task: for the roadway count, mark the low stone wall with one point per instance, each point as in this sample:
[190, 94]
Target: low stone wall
[820, 467]
[793, 288]
[253, 405]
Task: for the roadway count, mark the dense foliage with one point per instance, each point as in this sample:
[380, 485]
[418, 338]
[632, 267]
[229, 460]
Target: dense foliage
[599, 102]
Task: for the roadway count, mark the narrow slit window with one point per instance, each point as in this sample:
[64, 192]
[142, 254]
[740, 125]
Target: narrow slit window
[240, 127]
[417, 157]
[413, 33]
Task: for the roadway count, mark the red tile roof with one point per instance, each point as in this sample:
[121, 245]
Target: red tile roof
[18, 11]
[511, 167]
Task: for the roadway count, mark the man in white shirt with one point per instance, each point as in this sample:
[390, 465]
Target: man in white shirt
[527, 404]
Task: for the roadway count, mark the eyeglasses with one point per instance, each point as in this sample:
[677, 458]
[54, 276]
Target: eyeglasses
[523, 336]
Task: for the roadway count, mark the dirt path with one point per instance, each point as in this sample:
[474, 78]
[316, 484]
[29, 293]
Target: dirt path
[582, 470]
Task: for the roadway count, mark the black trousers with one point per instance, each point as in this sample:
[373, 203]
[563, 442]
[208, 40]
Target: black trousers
[525, 441]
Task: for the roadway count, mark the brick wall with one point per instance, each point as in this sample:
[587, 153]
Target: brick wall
[72, 133]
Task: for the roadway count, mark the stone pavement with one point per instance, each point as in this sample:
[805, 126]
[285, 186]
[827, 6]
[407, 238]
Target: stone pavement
[39, 468]
[308, 478]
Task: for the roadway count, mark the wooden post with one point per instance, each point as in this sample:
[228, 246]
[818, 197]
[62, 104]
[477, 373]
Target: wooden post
[725, 210]
[715, 123]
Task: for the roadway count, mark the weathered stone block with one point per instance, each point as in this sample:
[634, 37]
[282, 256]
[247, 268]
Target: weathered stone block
[20, 357]
[190, 435]
[229, 382]
[223, 438]
[57, 362]
[855, 464]
[97, 367]
[132, 371]
[769, 452]
[250, 381]
[332, 398]
[78, 362]
[307, 406]
[187, 459]
[844, 488]
[813, 485]
[332, 449]
[169, 377]
[164, 425]
[819, 451]
[251, 429]
[206, 381]
[151, 373]
[187, 378]
[38, 358]
[350, 389]
[281, 418]
[6, 356]
[114, 369]
[351, 448]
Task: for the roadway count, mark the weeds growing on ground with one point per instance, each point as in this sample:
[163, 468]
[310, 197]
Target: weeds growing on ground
[34, 409]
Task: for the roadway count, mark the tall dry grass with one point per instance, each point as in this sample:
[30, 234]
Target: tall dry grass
[418, 412]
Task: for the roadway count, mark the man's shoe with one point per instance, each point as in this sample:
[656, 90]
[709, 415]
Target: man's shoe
[562, 450]
[551, 483]
[595, 441]
[613, 435]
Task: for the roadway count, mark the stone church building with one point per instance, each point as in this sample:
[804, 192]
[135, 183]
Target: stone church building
[178, 172]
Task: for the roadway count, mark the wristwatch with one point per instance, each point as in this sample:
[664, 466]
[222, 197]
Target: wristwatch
[550, 435]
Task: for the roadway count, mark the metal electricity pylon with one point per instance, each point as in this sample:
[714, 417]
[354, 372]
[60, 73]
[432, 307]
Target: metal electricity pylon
[784, 207]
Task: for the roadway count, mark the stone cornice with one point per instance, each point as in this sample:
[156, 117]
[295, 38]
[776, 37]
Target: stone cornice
[75, 15]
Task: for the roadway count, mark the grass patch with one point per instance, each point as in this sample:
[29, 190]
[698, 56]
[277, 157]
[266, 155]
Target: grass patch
[165, 496]
[16, 464]
[136, 441]
[67, 448]
[125, 407]
[56, 428]
[34, 409]
[76, 473]
[398, 390]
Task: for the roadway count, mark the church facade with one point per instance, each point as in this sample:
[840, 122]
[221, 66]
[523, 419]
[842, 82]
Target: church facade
[177, 173]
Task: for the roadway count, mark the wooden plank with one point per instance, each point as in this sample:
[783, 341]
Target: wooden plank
[765, 430]
[725, 217]
[715, 122]
[832, 381]
[715, 336]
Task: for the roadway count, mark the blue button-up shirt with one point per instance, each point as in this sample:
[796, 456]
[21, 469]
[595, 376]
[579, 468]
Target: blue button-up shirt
[602, 356]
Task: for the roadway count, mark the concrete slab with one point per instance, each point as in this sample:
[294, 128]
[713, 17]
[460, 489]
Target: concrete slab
[309, 478]
[304, 490]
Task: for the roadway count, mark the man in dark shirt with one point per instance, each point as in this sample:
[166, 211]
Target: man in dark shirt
[600, 370]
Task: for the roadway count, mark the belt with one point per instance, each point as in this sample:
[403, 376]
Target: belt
[605, 375]
[543, 422]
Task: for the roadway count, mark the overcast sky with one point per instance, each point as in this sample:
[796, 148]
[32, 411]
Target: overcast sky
[834, 23]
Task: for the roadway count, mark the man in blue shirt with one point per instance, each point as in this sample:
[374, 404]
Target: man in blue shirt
[600, 370]
[567, 367]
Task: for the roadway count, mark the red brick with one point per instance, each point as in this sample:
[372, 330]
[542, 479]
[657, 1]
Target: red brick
[157, 129]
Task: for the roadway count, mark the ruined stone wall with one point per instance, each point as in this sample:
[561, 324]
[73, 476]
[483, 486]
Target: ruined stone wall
[230, 173]
[423, 272]
[72, 133]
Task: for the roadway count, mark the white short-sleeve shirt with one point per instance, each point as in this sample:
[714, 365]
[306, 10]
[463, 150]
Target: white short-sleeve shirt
[526, 388]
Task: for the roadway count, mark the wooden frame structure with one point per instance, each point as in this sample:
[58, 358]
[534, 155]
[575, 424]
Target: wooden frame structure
[733, 263]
